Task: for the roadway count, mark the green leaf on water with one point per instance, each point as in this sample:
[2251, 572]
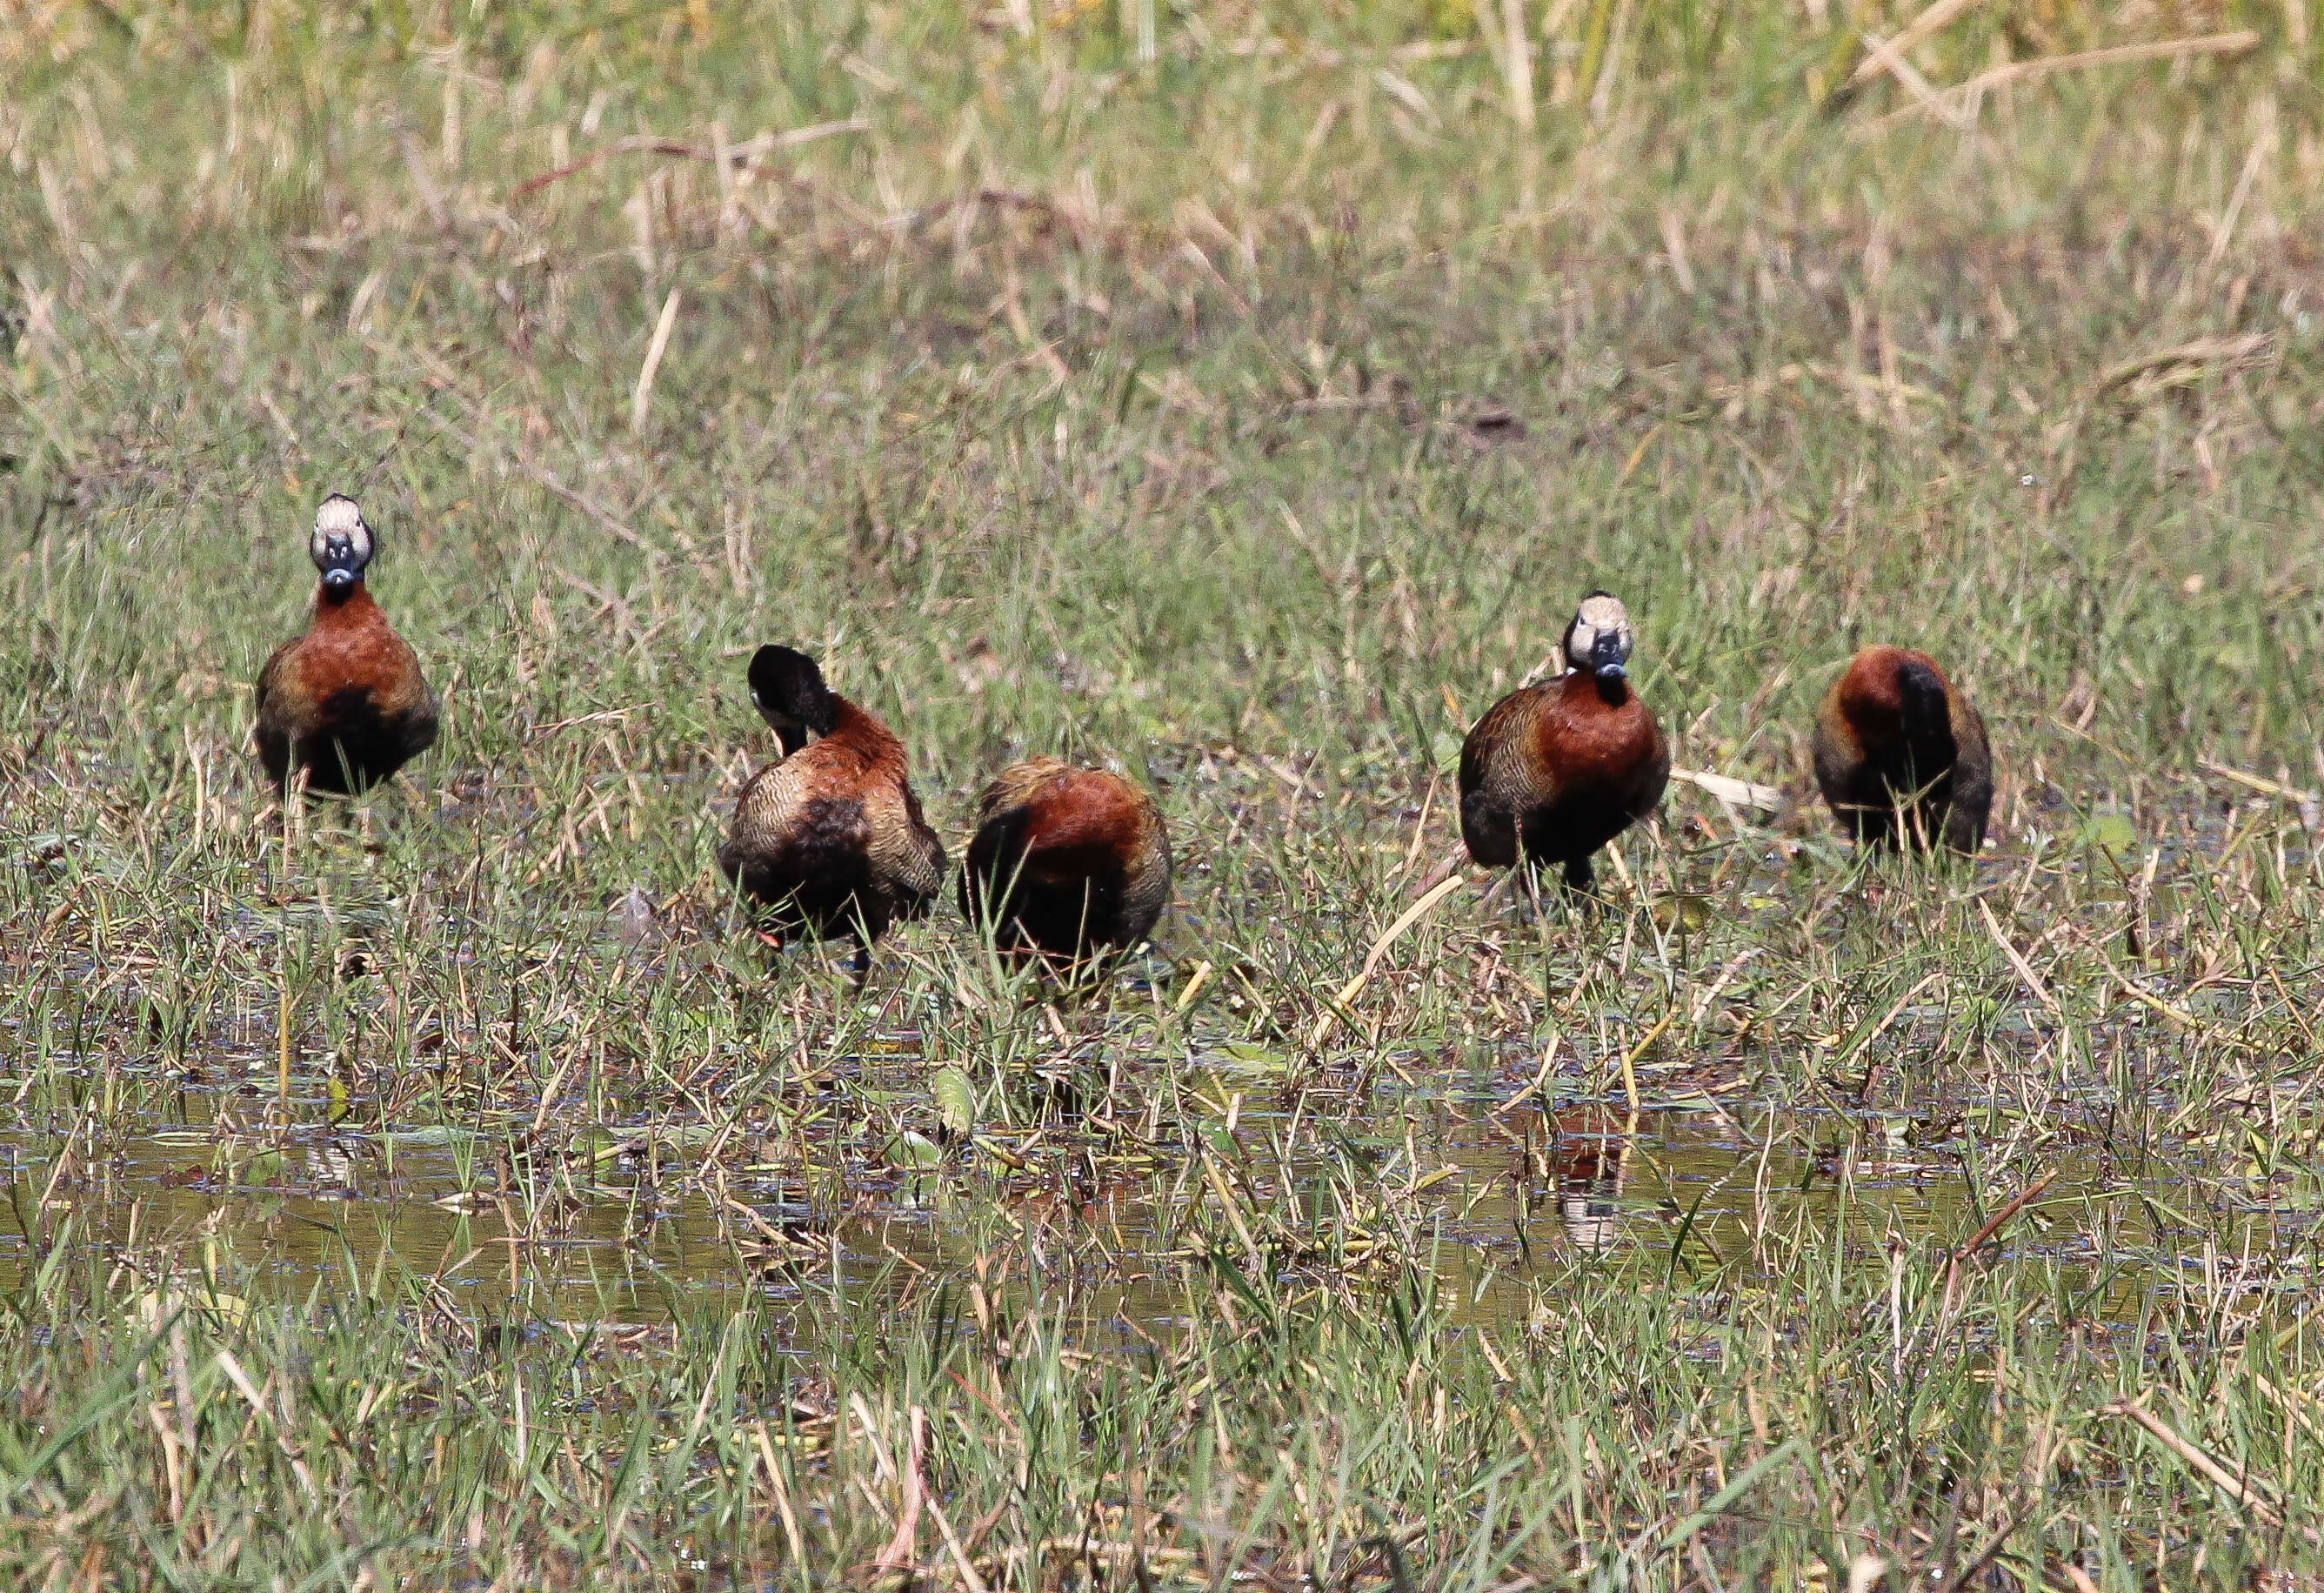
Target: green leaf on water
[1686, 910]
[910, 1149]
[955, 1102]
[1256, 1059]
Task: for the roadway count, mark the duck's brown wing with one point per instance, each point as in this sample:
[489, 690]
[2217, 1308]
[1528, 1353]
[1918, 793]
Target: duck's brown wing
[1500, 777]
[769, 818]
[908, 859]
[1147, 891]
[1838, 753]
[270, 730]
[412, 701]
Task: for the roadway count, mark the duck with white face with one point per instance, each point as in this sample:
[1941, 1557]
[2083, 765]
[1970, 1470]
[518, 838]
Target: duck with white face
[1598, 638]
[340, 544]
[345, 706]
[1556, 770]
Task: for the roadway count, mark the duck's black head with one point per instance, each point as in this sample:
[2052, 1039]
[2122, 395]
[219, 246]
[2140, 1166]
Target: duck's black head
[788, 690]
[340, 544]
[1599, 640]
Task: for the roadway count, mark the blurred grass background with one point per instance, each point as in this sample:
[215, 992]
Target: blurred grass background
[1143, 336]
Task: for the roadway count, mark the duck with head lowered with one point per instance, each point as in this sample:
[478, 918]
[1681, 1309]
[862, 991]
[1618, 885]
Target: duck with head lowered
[1555, 770]
[1901, 755]
[345, 706]
[1068, 864]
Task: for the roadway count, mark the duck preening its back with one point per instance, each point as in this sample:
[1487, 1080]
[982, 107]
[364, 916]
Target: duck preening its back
[1067, 862]
[345, 706]
[1901, 756]
[830, 838]
[1554, 771]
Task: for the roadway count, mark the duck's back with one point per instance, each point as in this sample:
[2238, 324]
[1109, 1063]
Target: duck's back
[835, 827]
[799, 819]
[1080, 855]
[1893, 725]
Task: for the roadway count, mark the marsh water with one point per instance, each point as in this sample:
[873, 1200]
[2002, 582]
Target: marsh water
[1487, 1174]
[1135, 1151]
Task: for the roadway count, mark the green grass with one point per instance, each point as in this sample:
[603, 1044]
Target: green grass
[1146, 405]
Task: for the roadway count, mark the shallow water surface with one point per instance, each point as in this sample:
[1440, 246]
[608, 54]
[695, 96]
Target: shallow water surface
[523, 1213]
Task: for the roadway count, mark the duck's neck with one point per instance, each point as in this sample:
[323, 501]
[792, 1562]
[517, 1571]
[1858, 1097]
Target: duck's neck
[341, 606]
[851, 727]
[1614, 693]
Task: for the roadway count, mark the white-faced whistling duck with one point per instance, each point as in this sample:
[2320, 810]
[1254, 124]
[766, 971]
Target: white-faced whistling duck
[345, 706]
[1901, 756]
[830, 838]
[1554, 771]
[1067, 862]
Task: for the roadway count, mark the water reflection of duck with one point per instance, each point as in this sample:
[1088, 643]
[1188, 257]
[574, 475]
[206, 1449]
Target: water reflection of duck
[345, 706]
[1555, 770]
[830, 836]
[1586, 1165]
[1578, 1157]
[1901, 756]
[1067, 862]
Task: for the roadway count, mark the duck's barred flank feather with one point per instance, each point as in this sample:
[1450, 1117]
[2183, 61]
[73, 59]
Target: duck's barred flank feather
[1901, 756]
[1067, 862]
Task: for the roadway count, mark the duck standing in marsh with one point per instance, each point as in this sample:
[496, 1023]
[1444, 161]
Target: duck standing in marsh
[1901, 756]
[1068, 863]
[1555, 770]
[829, 839]
[345, 706]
